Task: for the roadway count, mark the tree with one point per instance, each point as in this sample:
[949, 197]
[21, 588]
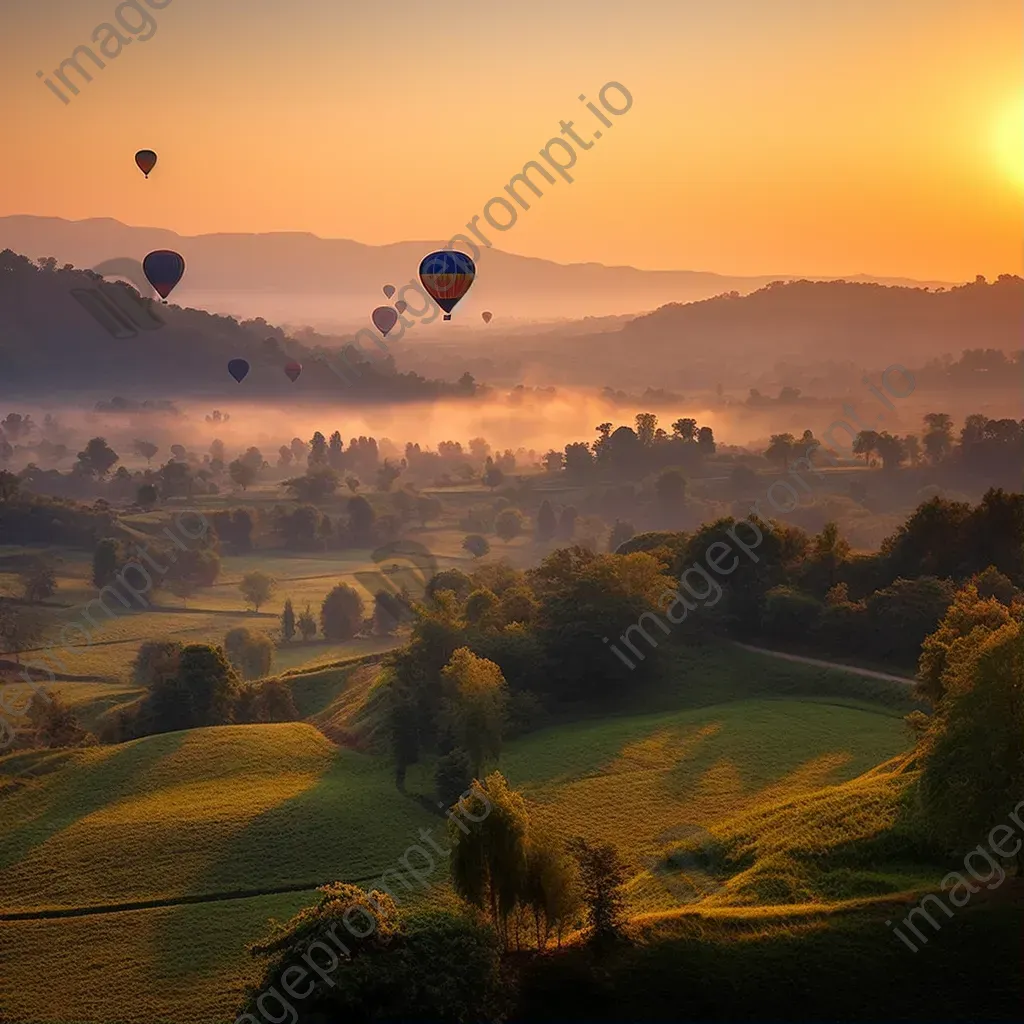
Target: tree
[209, 684]
[492, 477]
[98, 457]
[147, 496]
[156, 662]
[476, 545]
[145, 450]
[287, 621]
[780, 449]
[38, 582]
[284, 457]
[436, 967]
[602, 876]
[488, 862]
[567, 523]
[866, 444]
[251, 654]
[317, 450]
[646, 425]
[670, 488]
[428, 507]
[891, 449]
[336, 452]
[341, 615]
[972, 754]
[553, 462]
[257, 588]
[307, 624]
[352, 483]
[242, 473]
[706, 441]
[106, 559]
[969, 618]
[551, 887]
[473, 705]
[938, 439]
[509, 524]
[686, 429]
[361, 519]
[547, 524]
[53, 722]
[453, 775]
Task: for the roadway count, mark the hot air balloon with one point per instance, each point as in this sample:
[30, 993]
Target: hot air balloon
[384, 318]
[401, 305]
[487, 314]
[292, 371]
[389, 290]
[146, 160]
[447, 275]
[163, 270]
[238, 368]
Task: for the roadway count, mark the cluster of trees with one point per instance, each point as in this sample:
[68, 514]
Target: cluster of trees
[193, 685]
[631, 453]
[976, 367]
[520, 885]
[970, 751]
[342, 616]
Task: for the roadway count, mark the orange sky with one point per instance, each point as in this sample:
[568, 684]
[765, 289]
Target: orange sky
[766, 136]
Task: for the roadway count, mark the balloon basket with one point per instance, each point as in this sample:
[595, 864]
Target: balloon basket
[447, 316]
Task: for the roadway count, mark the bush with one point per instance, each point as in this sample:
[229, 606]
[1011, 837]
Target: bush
[252, 654]
[789, 615]
[476, 545]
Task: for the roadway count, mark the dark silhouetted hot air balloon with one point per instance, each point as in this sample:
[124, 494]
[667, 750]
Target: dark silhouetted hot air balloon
[292, 371]
[384, 318]
[447, 275]
[146, 160]
[389, 290]
[238, 368]
[487, 314]
[401, 305]
[163, 270]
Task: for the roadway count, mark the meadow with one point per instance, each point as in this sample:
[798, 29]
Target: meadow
[151, 865]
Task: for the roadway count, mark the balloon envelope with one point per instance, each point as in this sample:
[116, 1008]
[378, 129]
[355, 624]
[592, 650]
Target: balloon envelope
[401, 305]
[384, 318]
[447, 275]
[292, 371]
[487, 314]
[389, 290]
[146, 160]
[238, 368]
[163, 269]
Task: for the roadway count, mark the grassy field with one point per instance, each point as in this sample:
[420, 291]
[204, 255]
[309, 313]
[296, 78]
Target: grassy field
[218, 812]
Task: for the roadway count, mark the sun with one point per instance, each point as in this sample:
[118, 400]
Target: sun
[1008, 140]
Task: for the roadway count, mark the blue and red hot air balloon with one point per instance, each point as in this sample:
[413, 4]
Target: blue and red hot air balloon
[163, 269]
[446, 276]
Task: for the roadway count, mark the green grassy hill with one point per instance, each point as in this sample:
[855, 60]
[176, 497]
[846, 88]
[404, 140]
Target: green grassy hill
[199, 822]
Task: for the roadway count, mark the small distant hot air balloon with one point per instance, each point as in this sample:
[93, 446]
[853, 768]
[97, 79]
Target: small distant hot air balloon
[292, 371]
[384, 318]
[163, 269]
[239, 369]
[487, 314]
[389, 290]
[447, 275]
[401, 305]
[146, 160]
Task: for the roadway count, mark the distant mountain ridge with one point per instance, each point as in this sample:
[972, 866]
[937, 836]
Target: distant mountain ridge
[302, 278]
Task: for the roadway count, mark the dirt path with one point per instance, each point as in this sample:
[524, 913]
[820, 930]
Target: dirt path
[852, 669]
